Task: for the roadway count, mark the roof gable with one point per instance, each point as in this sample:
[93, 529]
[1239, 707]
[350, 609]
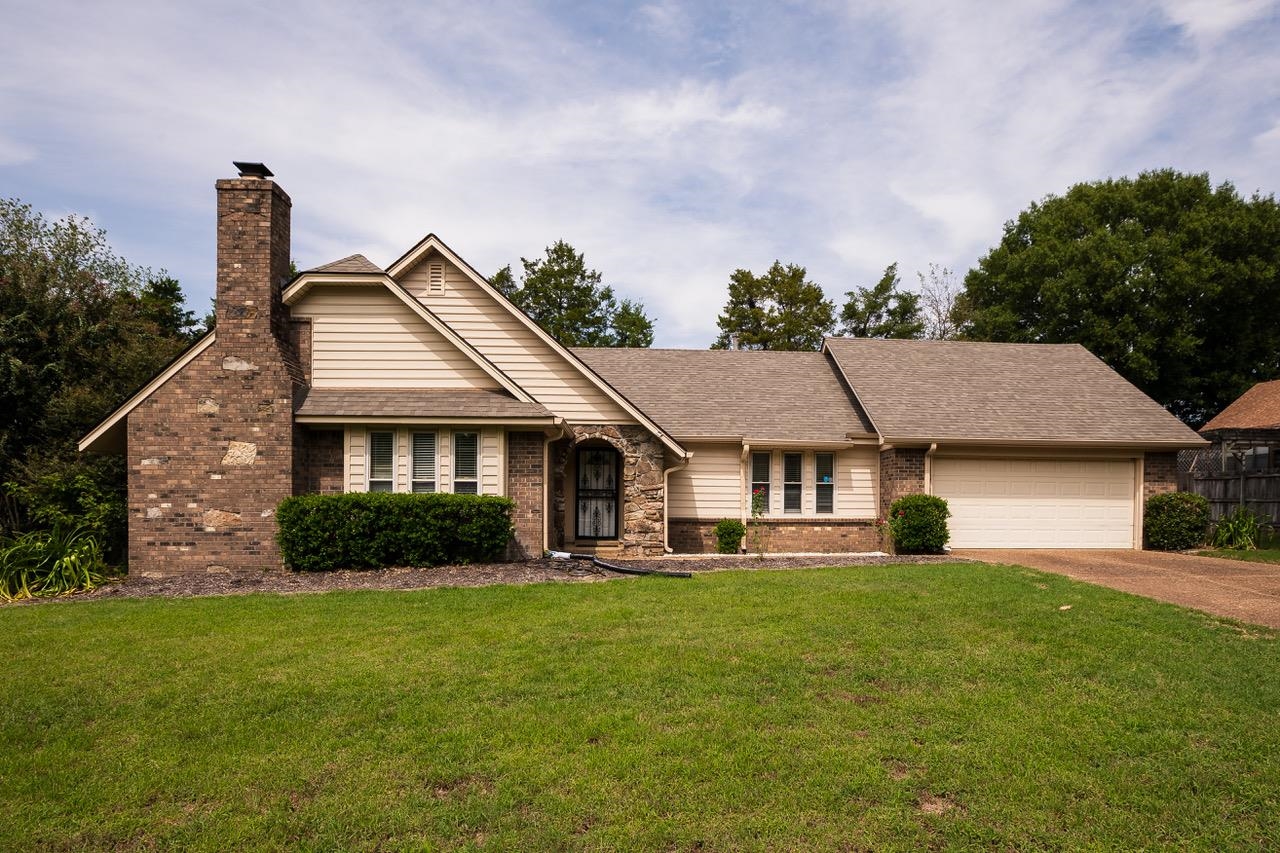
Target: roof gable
[977, 392]
[305, 282]
[567, 364]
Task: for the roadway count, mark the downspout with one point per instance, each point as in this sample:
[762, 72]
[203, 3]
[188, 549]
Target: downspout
[666, 500]
[744, 482]
[928, 468]
[560, 432]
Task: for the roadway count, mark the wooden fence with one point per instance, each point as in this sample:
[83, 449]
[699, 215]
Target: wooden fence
[1261, 492]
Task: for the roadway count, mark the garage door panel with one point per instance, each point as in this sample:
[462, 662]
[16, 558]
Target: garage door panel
[1037, 503]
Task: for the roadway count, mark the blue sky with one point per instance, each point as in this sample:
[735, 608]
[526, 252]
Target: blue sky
[671, 142]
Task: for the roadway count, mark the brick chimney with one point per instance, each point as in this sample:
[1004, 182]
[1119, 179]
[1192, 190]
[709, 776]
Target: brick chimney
[253, 256]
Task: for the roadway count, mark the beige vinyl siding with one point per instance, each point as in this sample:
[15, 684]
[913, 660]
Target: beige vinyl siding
[364, 337]
[492, 462]
[710, 486]
[514, 348]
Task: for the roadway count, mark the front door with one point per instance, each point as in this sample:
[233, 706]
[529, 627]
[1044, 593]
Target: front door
[597, 494]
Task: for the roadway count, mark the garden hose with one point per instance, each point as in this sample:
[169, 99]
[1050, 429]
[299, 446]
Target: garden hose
[626, 570]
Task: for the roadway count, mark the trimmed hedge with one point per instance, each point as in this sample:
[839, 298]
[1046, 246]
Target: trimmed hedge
[919, 524]
[1175, 521]
[729, 533]
[370, 530]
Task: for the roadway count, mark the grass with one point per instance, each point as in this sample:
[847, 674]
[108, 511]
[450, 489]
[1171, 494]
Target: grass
[1262, 555]
[879, 707]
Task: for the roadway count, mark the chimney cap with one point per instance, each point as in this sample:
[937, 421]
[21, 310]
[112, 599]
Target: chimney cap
[252, 170]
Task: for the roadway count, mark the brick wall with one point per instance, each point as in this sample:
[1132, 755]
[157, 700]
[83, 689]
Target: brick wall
[211, 451]
[1159, 474]
[525, 478]
[318, 464]
[780, 535]
[901, 473]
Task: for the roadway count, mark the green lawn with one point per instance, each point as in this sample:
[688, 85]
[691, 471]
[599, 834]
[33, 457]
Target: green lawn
[1262, 555]
[890, 707]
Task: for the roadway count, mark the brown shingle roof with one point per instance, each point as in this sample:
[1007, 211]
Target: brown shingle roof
[416, 403]
[1257, 408]
[963, 391]
[781, 396]
[349, 264]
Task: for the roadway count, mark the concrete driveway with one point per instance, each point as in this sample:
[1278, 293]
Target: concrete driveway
[1249, 592]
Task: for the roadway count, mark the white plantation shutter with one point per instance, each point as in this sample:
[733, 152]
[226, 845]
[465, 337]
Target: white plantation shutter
[424, 462]
[465, 463]
[381, 461]
[760, 479]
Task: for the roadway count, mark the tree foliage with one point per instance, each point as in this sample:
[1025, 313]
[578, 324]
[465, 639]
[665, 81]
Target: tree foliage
[779, 310]
[882, 311]
[1172, 282]
[940, 305]
[80, 329]
[571, 302]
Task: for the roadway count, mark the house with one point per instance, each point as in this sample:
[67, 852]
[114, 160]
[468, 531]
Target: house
[422, 377]
[1242, 465]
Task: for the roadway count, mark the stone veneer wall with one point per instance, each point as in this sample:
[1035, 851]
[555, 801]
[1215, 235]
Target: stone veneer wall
[901, 473]
[780, 535]
[642, 486]
[1159, 474]
[211, 451]
[525, 479]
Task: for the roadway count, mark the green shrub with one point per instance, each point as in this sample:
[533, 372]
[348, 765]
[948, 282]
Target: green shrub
[729, 533]
[1175, 521]
[369, 530]
[50, 562]
[1239, 530]
[918, 524]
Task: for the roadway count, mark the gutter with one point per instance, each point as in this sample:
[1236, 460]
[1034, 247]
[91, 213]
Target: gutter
[666, 499]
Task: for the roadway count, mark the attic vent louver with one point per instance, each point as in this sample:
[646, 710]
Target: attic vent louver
[435, 278]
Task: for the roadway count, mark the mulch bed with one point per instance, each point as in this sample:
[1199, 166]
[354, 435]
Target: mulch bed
[487, 574]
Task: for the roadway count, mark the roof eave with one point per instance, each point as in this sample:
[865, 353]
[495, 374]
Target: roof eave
[1066, 443]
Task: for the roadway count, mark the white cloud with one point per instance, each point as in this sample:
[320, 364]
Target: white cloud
[668, 152]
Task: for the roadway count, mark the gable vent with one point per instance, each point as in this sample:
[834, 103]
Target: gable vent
[435, 278]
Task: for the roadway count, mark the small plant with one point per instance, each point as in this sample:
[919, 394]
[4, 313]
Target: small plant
[918, 524]
[1239, 530]
[49, 563]
[729, 533]
[882, 532]
[1176, 521]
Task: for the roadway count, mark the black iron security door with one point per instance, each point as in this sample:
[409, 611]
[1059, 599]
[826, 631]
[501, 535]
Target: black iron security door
[597, 498]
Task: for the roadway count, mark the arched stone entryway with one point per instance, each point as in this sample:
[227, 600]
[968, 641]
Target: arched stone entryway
[639, 488]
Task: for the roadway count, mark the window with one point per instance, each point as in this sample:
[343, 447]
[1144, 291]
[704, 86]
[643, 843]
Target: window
[791, 482]
[760, 481]
[824, 476]
[435, 279]
[465, 447]
[382, 461]
[424, 462]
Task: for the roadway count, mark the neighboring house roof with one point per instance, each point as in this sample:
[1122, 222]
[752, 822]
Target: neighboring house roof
[998, 393]
[1257, 408]
[349, 264]
[444, 404]
[752, 395]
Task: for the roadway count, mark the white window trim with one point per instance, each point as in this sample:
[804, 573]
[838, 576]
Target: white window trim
[435, 461]
[767, 483]
[368, 462]
[479, 462]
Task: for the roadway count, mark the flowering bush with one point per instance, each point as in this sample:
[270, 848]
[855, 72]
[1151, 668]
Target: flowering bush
[918, 524]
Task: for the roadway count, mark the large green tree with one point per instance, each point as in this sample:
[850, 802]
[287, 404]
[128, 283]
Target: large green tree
[882, 311]
[568, 299]
[80, 329]
[779, 310]
[1173, 282]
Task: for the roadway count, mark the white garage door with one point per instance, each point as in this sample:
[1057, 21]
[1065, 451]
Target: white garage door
[1037, 503]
